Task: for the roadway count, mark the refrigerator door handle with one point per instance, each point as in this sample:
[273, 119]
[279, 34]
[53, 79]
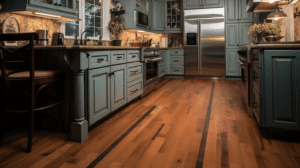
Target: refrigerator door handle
[199, 48]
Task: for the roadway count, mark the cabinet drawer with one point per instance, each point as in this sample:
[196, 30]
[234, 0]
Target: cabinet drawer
[177, 70]
[99, 59]
[176, 59]
[163, 61]
[256, 104]
[118, 57]
[133, 55]
[176, 52]
[162, 52]
[256, 58]
[135, 88]
[161, 71]
[134, 71]
[256, 75]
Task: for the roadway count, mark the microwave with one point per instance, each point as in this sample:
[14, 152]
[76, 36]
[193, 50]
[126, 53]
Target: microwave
[142, 20]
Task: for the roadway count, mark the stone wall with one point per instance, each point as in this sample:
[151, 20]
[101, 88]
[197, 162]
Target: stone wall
[31, 23]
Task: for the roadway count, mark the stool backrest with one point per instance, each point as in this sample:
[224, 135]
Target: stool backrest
[22, 55]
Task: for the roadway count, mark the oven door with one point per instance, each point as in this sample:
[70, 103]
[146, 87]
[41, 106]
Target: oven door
[151, 70]
[245, 82]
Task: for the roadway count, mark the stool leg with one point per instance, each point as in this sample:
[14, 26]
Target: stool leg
[2, 125]
[31, 120]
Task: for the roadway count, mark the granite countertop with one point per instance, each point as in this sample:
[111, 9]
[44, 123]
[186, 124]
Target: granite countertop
[274, 45]
[81, 47]
[165, 48]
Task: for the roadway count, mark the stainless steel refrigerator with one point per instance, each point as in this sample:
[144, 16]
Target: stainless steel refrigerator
[204, 43]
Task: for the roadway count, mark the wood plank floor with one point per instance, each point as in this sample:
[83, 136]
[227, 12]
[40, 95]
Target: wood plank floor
[185, 123]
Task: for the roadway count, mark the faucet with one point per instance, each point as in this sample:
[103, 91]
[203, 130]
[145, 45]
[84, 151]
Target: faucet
[85, 37]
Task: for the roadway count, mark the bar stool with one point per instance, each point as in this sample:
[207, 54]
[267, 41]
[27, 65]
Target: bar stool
[27, 82]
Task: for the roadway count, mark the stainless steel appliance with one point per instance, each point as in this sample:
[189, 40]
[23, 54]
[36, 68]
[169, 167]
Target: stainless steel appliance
[57, 38]
[141, 20]
[150, 58]
[43, 37]
[204, 43]
[243, 62]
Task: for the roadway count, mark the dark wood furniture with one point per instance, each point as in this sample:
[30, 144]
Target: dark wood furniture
[27, 82]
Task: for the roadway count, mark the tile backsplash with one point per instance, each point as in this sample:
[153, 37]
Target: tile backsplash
[31, 23]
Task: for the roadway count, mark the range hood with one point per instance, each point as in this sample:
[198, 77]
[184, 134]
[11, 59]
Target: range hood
[260, 6]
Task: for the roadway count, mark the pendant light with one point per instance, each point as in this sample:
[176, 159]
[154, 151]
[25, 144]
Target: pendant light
[276, 15]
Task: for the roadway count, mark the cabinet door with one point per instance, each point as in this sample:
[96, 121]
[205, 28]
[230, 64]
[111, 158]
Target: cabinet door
[173, 15]
[158, 7]
[282, 92]
[212, 3]
[67, 5]
[232, 40]
[244, 37]
[118, 86]
[44, 3]
[98, 94]
[244, 16]
[231, 11]
[142, 6]
[232, 66]
[192, 4]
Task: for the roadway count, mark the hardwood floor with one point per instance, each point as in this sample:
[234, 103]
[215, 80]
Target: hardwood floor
[186, 123]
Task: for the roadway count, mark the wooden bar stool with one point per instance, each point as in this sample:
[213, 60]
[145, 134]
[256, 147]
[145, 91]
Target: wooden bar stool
[26, 82]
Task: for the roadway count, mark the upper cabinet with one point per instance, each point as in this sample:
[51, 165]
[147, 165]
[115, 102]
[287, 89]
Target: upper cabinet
[63, 8]
[173, 15]
[158, 22]
[198, 4]
[142, 6]
[236, 12]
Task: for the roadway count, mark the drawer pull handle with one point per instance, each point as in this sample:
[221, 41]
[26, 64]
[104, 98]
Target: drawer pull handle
[176, 70]
[176, 60]
[133, 56]
[134, 71]
[134, 90]
[118, 58]
[100, 60]
[176, 52]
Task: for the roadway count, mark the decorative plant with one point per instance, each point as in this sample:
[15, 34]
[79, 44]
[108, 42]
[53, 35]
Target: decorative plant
[262, 30]
[116, 25]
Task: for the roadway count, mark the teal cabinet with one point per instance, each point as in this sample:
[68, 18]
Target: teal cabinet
[118, 86]
[281, 88]
[98, 94]
[173, 15]
[232, 66]
[235, 12]
[244, 37]
[237, 34]
[64, 8]
[176, 61]
[232, 35]
[198, 4]
[158, 19]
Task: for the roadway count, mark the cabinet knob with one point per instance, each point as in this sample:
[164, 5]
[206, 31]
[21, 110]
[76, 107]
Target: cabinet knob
[55, 4]
[59, 5]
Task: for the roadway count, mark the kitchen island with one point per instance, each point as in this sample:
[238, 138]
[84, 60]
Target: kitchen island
[274, 81]
[91, 74]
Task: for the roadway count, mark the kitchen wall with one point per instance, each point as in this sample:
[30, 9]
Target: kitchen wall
[129, 36]
[31, 23]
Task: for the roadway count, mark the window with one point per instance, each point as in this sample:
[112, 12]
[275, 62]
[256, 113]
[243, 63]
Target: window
[91, 15]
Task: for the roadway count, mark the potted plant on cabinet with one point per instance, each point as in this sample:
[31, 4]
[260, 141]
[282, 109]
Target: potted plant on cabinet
[116, 26]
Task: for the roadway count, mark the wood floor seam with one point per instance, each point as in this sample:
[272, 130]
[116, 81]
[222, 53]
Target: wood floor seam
[114, 144]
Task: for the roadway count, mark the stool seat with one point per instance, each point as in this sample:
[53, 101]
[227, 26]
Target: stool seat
[8, 71]
[37, 74]
[40, 77]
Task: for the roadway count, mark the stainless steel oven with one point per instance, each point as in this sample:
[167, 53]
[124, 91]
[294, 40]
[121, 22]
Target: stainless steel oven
[150, 59]
[245, 77]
